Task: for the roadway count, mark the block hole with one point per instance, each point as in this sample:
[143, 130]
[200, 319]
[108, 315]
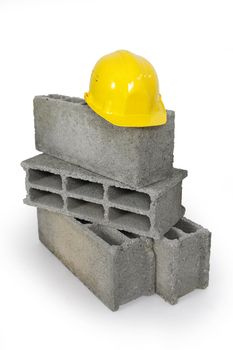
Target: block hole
[129, 234]
[82, 221]
[85, 188]
[172, 234]
[130, 221]
[186, 226]
[85, 209]
[106, 234]
[45, 179]
[129, 198]
[49, 199]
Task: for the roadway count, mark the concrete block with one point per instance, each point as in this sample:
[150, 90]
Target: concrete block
[116, 267]
[68, 189]
[182, 260]
[68, 129]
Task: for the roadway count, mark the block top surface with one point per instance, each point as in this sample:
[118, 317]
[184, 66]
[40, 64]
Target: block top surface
[79, 104]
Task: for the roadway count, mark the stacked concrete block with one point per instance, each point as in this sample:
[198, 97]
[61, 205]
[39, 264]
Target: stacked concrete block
[113, 266]
[68, 129]
[68, 189]
[182, 260]
[109, 204]
[118, 266]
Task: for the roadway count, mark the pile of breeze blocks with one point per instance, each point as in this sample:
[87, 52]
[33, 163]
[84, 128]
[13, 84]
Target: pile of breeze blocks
[109, 204]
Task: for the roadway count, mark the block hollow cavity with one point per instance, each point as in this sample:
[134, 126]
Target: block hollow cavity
[84, 222]
[129, 220]
[186, 226]
[129, 234]
[85, 209]
[85, 188]
[46, 198]
[106, 234]
[129, 198]
[172, 234]
[45, 179]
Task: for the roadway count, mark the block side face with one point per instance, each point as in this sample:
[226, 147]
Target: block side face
[80, 252]
[74, 133]
[182, 260]
[166, 256]
[205, 248]
[189, 265]
[135, 266]
[194, 260]
[156, 146]
[168, 209]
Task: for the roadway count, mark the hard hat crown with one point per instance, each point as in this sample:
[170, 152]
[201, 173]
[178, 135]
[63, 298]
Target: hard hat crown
[124, 90]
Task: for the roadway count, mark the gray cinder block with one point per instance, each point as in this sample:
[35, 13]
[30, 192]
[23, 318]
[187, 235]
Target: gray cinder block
[113, 266]
[68, 189]
[118, 266]
[68, 129]
[182, 260]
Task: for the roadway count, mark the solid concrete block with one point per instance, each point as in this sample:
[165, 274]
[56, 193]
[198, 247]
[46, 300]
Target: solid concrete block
[68, 129]
[182, 260]
[116, 267]
[68, 189]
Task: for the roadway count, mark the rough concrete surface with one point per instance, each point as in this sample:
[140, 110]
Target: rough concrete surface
[116, 267]
[68, 189]
[182, 260]
[68, 129]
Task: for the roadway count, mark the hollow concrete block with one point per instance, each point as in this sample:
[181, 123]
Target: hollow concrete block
[182, 260]
[68, 129]
[116, 267]
[68, 189]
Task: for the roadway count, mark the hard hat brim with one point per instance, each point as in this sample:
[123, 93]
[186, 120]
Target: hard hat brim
[157, 117]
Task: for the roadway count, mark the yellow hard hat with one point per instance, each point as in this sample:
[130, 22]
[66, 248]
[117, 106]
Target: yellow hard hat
[124, 90]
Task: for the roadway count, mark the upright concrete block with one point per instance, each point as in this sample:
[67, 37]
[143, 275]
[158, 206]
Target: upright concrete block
[182, 260]
[68, 189]
[68, 129]
[116, 267]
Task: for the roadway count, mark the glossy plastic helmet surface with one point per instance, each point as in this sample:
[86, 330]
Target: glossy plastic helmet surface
[124, 90]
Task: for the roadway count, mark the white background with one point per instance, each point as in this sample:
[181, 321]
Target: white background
[51, 47]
